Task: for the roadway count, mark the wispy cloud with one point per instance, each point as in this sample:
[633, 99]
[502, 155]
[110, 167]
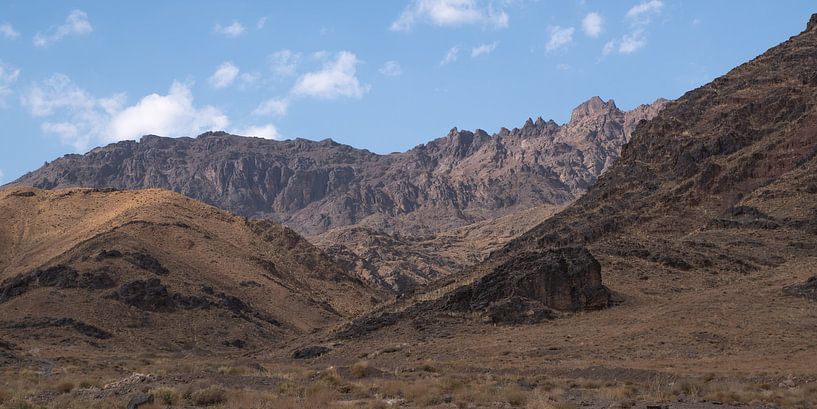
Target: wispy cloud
[80, 119]
[593, 24]
[638, 17]
[451, 55]
[273, 106]
[391, 69]
[559, 37]
[644, 10]
[8, 32]
[284, 63]
[483, 49]
[8, 76]
[224, 75]
[337, 78]
[232, 30]
[261, 23]
[449, 13]
[75, 24]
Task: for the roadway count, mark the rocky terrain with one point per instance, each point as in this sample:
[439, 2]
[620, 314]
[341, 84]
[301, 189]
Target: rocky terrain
[143, 270]
[705, 235]
[341, 196]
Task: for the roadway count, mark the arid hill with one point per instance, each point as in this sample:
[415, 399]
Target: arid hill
[153, 270]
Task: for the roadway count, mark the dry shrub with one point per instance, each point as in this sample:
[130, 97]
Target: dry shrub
[18, 404]
[361, 369]
[65, 387]
[514, 395]
[618, 393]
[424, 392]
[166, 396]
[5, 396]
[208, 397]
[232, 370]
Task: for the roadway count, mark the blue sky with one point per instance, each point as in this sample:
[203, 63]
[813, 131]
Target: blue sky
[381, 75]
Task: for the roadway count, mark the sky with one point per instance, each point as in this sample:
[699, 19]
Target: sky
[384, 75]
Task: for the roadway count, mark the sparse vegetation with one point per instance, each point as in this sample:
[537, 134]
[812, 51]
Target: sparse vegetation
[209, 396]
[65, 387]
[360, 369]
[166, 396]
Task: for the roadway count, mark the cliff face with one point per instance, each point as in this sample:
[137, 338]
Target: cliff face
[316, 186]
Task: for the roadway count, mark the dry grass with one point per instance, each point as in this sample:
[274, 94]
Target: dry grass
[64, 387]
[361, 369]
[166, 396]
[209, 396]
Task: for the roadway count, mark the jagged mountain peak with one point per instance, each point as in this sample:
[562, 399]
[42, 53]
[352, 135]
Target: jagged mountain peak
[593, 107]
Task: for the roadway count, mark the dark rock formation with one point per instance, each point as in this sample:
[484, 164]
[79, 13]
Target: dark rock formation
[310, 352]
[805, 290]
[139, 400]
[148, 295]
[528, 287]
[59, 276]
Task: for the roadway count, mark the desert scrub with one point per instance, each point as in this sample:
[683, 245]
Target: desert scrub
[18, 404]
[165, 396]
[514, 395]
[361, 369]
[65, 387]
[208, 397]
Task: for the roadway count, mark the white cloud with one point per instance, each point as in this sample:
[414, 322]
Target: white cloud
[1, 175]
[563, 67]
[173, 115]
[75, 24]
[593, 24]
[642, 11]
[262, 22]
[696, 22]
[391, 69]
[224, 75]
[449, 13]
[272, 106]
[79, 119]
[559, 37]
[8, 76]
[336, 79]
[232, 31]
[483, 49]
[451, 56]
[633, 42]
[609, 47]
[8, 31]
[284, 63]
[267, 131]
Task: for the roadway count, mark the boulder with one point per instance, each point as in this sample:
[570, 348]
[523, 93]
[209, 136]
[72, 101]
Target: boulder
[528, 288]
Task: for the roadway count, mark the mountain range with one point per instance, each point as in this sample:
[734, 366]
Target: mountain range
[397, 205]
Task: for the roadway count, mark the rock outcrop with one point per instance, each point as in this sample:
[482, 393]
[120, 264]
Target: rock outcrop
[529, 287]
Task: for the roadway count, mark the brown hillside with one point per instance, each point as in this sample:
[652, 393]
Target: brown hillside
[153, 270]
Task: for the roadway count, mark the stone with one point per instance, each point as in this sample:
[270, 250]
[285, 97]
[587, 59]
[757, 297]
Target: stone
[139, 400]
[310, 352]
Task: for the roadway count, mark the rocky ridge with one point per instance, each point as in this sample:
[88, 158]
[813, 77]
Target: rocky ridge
[395, 200]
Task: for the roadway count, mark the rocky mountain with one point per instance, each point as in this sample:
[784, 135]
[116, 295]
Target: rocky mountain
[396, 203]
[315, 186]
[715, 196]
[143, 270]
